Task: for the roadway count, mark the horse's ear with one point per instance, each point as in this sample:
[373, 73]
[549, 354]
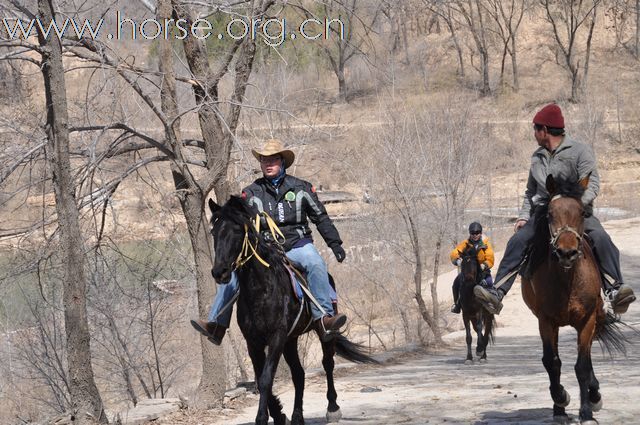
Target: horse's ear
[213, 206]
[584, 182]
[551, 185]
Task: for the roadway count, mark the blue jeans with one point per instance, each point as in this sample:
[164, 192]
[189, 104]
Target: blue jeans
[316, 269]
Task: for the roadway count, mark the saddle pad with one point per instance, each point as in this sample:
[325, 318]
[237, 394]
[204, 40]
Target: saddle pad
[296, 286]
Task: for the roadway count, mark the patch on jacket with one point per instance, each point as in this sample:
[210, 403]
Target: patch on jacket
[280, 212]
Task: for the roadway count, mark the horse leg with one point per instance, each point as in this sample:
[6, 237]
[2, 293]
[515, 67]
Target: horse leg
[584, 370]
[481, 346]
[257, 360]
[264, 368]
[297, 374]
[469, 340]
[594, 392]
[333, 410]
[552, 363]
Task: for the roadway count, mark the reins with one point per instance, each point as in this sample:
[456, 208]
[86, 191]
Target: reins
[248, 249]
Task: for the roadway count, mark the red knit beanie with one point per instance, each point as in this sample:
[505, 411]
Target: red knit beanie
[550, 115]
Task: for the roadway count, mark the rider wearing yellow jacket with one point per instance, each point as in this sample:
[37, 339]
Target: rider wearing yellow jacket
[485, 259]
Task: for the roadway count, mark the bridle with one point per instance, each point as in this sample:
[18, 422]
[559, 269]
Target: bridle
[555, 235]
[248, 249]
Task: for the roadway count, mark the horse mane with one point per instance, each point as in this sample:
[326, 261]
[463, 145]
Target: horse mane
[540, 244]
[237, 211]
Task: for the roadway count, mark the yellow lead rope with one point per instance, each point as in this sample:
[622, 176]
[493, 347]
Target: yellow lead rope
[244, 255]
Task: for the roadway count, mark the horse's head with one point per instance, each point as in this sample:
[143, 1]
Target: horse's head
[469, 265]
[566, 219]
[229, 226]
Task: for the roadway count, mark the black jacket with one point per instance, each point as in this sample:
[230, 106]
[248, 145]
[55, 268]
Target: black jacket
[289, 207]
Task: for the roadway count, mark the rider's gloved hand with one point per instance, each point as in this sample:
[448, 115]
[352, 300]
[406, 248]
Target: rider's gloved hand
[458, 262]
[338, 251]
[484, 267]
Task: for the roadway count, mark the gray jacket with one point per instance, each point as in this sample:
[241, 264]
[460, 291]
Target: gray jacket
[571, 160]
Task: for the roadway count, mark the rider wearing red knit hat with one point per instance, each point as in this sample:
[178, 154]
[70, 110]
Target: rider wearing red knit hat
[559, 156]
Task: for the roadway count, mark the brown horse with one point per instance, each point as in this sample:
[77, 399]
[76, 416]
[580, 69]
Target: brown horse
[473, 314]
[564, 289]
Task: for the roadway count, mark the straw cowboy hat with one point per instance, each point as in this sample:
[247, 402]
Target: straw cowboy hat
[275, 147]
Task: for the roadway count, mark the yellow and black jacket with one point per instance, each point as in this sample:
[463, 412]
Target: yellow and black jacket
[483, 246]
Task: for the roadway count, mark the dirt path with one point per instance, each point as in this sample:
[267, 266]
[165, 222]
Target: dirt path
[512, 388]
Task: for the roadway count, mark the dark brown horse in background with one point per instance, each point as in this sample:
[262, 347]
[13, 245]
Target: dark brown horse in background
[564, 290]
[473, 314]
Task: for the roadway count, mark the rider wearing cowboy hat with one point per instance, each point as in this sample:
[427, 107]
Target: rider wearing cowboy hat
[291, 202]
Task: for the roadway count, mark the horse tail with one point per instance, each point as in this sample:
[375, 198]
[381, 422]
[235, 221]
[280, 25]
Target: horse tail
[609, 333]
[489, 326]
[352, 351]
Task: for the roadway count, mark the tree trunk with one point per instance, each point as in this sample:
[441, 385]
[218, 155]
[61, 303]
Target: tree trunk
[503, 61]
[342, 83]
[417, 281]
[486, 88]
[514, 64]
[214, 374]
[456, 43]
[214, 377]
[587, 54]
[84, 392]
[575, 86]
[434, 284]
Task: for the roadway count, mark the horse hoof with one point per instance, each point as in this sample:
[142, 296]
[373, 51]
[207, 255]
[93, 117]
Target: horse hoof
[468, 362]
[596, 406]
[589, 422]
[334, 417]
[297, 418]
[483, 361]
[561, 419]
[567, 399]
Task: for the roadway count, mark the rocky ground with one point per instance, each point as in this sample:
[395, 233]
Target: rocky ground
[437, 387]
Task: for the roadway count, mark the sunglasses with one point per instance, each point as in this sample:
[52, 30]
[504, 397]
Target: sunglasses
[475, 233]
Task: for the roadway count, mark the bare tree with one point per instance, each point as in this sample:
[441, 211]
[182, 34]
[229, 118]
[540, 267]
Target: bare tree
[474, 13]
[423, 180]
[198, 166]
[85, 397]
[446, 13]
[569, 21]
[349, 29]
[620, 13]
[507, 16]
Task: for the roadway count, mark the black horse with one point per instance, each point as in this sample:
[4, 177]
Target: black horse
[269, 314]
[473, 313]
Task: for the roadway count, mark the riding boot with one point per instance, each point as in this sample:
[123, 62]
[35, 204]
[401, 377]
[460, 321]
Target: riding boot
[455, 308]
[491, 298]
[212, 330]
[620, 297]
[327, 326]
